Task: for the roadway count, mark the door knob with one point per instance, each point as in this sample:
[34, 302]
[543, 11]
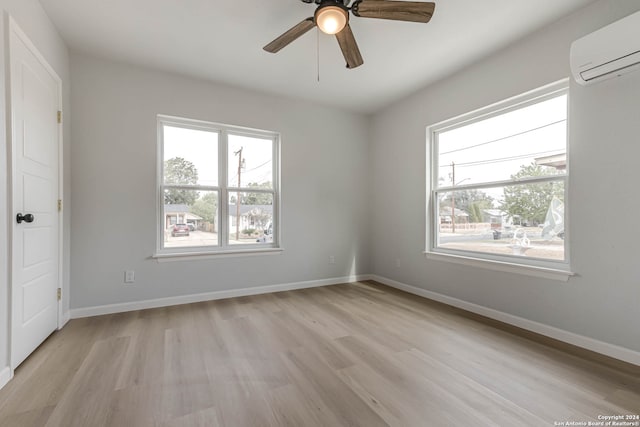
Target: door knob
[25, 218]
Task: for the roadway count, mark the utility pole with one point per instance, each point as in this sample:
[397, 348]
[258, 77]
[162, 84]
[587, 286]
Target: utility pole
[239, 154]
[453, 198]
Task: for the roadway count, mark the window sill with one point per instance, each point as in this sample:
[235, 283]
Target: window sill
[191, 256]
[527, 270]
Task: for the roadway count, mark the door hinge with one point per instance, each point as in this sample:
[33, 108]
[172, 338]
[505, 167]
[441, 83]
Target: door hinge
[59, 205]
[59, 116]
[59, 294]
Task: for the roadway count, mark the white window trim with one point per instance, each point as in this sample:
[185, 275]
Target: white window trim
[196, 255]
[223, 249]
[508, 267]
[555, 270]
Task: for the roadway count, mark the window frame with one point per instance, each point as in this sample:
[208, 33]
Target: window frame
[223, 190]
[554, 269]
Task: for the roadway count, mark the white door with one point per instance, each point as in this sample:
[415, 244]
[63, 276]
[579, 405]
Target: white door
[35, 244]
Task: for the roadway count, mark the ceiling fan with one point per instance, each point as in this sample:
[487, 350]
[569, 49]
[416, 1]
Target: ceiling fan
[332, 17]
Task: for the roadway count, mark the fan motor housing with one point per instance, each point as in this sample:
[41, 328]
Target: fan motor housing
[343, 2]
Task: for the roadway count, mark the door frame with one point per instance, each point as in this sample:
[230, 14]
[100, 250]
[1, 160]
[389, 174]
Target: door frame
[12, 29]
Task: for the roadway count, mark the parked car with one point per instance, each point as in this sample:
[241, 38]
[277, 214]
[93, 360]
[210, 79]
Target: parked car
[191, 226]
[267, 236]
[180, 230]
[502, 233]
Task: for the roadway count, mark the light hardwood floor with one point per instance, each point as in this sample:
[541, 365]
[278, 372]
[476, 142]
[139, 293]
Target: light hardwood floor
[348, 355]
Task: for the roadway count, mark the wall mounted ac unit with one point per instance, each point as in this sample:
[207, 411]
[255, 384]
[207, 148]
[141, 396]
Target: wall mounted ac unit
[609, 52]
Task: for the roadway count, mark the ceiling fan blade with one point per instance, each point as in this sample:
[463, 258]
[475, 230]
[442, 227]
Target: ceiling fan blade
[396, 10]
[290, 36]
[349, 47]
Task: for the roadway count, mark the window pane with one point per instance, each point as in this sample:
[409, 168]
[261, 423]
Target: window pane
[190, 156]
[530, 141]
[250, 218]
[522, 219]
[250, 162]
[190, 218]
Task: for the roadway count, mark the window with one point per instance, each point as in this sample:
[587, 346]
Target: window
[499, 182]
[218, 187]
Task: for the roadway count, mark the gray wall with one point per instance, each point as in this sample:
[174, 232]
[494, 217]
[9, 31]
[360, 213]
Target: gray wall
[602, 301]
[31, 18]
[324, 170]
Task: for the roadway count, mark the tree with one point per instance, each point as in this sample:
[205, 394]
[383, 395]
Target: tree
[260, 219]
[179, 171]
[255, 198]
[258, 198]
[206, 207]
[470, 201]
[531, 201]
[475, 211]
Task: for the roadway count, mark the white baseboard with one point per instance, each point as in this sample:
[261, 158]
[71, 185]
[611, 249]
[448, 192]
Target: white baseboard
[208, 296]
[5, 376]
[601, 347]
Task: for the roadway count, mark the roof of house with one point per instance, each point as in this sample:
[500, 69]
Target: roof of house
[446, 211]
[558, 161]
[181, 209]
[246, 209]
[494, 212]
[176, 208]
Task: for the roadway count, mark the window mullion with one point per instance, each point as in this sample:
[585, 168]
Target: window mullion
[251, 190]
[275, 221]
[190, 187]
[506, 183]
[223, 205]
[160, 216]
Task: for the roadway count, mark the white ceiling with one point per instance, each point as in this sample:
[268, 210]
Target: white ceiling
[222, 41]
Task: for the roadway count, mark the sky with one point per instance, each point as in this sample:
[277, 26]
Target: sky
[256, 153]
[200, 147]
[495, 148]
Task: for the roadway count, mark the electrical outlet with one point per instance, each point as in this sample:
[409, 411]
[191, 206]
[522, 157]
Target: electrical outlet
[332, 259]
[129, 276]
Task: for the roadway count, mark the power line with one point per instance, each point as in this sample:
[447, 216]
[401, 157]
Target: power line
[502, 159]
[258, 167]
[503, 138]
[264, 176]
[252, 169]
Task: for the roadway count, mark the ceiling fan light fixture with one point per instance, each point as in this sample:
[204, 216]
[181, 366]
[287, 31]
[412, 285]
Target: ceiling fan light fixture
[332, 18]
